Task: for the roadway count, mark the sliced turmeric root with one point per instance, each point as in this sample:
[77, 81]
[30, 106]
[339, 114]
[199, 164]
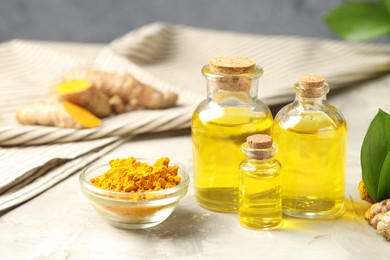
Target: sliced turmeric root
[81, 116]
[80, 92]
[364, 193]
[85, 95]
[55, 113]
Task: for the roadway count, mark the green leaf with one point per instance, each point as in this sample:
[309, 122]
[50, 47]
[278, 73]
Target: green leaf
[376, 146]
[384, 180]
[386, 3]
[359, 21]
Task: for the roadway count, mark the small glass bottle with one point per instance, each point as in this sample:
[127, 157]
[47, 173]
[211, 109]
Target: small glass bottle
[260, 199]
[312, 139]
[220, 125]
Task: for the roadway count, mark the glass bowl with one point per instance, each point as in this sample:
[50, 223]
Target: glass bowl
[132, 210]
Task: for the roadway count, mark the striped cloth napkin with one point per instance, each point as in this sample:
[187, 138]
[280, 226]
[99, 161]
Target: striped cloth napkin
[168, 57]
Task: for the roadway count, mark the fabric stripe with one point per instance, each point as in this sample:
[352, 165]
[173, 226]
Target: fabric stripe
[17, 161]
[25, 191]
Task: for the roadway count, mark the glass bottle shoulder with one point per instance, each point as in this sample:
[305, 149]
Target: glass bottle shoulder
[310, 117]
[261, 168]
[232, 113]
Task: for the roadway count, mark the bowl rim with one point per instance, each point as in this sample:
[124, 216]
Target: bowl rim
[99, 191]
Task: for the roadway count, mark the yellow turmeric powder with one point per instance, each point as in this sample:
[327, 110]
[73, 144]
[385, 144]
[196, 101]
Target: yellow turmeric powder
[130, 175]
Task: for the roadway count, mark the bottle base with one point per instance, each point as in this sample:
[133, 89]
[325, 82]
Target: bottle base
[305, 209]
[261, 224]
[218, 199]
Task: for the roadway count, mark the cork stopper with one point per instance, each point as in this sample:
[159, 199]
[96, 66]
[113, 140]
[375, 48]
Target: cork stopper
[259, 141]
[311, 81]
[232, 65]
[259, 146]
[231, 69]
[311, 85]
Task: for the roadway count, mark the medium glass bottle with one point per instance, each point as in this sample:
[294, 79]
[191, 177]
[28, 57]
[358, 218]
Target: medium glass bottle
[312, 139]
[220, 125]
[260, 199]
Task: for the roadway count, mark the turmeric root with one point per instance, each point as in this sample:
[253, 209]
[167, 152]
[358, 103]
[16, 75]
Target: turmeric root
[126, 87]
[378, 216]
[55, 113]
[364, 193]
[85, 95]
[80, 92]
[117, 104]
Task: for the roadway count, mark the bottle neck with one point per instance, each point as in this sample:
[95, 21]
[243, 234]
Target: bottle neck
[263, 162]
[311, 95]
[232, 89]
[220, 94]
[259, 155]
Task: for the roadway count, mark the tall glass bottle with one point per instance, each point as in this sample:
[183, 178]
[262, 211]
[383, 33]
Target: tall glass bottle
[260, 201]
[312, 139]
[220, 125]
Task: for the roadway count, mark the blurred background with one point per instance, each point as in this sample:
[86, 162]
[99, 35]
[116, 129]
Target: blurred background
[101, 21]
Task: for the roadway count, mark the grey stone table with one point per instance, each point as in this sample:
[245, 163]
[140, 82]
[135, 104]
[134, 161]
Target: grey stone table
[61, 223]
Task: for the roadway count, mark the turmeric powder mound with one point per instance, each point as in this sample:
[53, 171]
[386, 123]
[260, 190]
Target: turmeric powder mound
[130, 175]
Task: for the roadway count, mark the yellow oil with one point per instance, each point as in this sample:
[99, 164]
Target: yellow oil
[217, 134]
[312, 151]
[260, 202]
